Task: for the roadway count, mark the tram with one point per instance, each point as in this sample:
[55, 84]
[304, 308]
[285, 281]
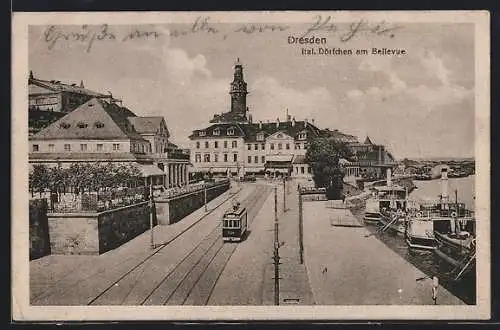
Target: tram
[234, 224]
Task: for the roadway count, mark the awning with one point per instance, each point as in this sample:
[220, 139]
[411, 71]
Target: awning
[299, 159]
[150, 170]
[275, 164]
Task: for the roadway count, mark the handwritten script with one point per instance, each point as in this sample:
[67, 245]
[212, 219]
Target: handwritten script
[88, 35]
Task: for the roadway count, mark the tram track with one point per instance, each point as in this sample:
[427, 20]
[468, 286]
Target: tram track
[157, 250]
[131, 295]
[197, 284]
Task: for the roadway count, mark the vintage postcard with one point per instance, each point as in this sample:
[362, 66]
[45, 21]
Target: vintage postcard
[251, 166]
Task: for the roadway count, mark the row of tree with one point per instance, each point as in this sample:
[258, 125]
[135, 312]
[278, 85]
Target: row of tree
[324, 155]
[83, 177]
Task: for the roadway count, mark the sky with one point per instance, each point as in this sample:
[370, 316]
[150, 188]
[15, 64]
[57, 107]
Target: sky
[419, 105]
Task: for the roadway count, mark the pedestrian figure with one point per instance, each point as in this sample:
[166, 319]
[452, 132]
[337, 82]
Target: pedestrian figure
[435, 285]
[325, 270]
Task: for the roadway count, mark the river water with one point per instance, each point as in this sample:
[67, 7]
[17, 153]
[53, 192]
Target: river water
[426, 261]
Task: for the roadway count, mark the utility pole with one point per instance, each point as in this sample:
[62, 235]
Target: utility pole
[151, 204]
[284, 194]
[301, 236]
[276, 256]
[205, 196]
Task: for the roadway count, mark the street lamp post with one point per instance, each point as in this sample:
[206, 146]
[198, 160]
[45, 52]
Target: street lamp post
[284, 194]
[276, 256]
[151, 203]
[301, 236]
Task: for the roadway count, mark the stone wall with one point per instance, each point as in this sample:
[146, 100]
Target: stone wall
[121, 225]
[73, 233]
[172, 210]
[95, 233]
[39, 229]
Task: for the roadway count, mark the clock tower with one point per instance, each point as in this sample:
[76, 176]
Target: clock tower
[238, 91]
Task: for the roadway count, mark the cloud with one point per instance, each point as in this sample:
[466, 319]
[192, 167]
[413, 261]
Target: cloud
[270, 98]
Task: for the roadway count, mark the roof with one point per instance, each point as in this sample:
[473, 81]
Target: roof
[58, 86]
[150, 170]
[93, 120]
[147, 125]
[338, 135]
[250, 130]
[367, 140]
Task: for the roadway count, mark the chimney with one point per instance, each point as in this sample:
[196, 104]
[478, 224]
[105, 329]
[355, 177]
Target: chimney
[389, 177]
[312, 120]
[288, 117]
[293, 121]
[305, 123]
[31, 74]
[260, 124]
[250, 118]
[277, 122]
[81, 84]
[444, 183]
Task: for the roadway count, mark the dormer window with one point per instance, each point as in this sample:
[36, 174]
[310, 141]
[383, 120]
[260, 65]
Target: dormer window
[98, 124]
[216, 131]
[65, 125]
[202, 133]
[279, 136]
[230, 131]
[81, 125]
[302, 135]
[260, 137]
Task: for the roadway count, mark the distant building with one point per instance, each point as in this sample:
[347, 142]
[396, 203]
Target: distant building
[371, 160]
[102, 131]
[49, 100]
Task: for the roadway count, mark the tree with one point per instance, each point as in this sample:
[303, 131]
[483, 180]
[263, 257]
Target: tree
[39, 178]
[323, 155]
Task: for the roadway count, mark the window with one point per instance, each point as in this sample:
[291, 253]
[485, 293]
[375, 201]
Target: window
[83, 147]
[116, 146]
[65, 125]
[35, 147]
[235, 158]
[81, 125]
[206, 158]
[263, 146]
[230, 131]
[197, 158]
[297, 145]
[305, 145]
[302, 135]
[260, 137]
[302, 169]
[225, 144]
[256, 159]
[216, 131]
[197, 144]
[216, 144]
[308, 170]
[297, 169]
[249, 159]
[256, 146]
[234, 144]
[216, 158]
[67, 147]
[287, 146]
[202, 133]
[142, 148]
[99, 146]
[206, 145]
[272, 146]
[51, 147]
[225, 158]
[280, 146]
[249, 146]
[263, 159]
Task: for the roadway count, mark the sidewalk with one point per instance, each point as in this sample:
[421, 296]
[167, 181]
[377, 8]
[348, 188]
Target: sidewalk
[76, 279]
[294, 282]
[347, 268]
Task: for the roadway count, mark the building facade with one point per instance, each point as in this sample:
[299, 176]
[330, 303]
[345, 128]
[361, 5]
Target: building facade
[102, 131]
[234, 145]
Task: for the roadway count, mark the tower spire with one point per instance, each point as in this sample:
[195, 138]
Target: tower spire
[238, 90]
